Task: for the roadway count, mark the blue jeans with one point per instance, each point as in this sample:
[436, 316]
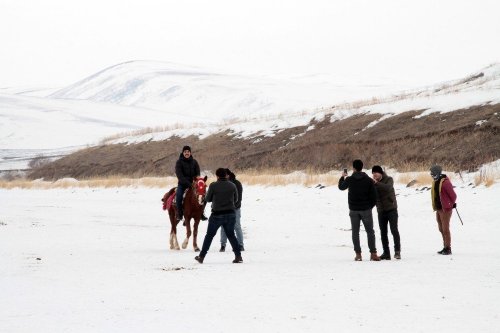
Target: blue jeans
[226, 221]
[237, 230]
[178, 198]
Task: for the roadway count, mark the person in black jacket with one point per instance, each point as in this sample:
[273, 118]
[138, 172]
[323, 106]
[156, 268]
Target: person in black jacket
[387, 208]
[362, 198]
[237, 226]
[223, 195]
[186, 169]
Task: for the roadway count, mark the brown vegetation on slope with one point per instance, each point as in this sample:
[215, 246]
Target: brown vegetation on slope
[404, 142]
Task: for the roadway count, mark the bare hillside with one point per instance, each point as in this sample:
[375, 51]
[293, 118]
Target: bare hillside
[460, 140]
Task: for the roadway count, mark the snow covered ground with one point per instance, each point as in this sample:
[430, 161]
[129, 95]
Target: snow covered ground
[98, 260]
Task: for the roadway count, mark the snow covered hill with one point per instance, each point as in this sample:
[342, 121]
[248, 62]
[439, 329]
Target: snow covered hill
[477, 89]
[208, 95]
[32, 126]
[180, 100]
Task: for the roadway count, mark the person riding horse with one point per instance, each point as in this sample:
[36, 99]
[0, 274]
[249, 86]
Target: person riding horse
[186, 169]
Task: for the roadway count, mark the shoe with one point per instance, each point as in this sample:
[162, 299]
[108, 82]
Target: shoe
[441, 252]
[203, 217]
[199, 259]
[222, 248]
[178, 216]
[385, 256]
[238, 260]
[374, 257]
[242, 248]
[397, 255]
[358, 256]
[446, 251]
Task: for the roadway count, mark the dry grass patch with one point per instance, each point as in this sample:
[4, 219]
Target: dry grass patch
[487, 176]
[264, 178]
[274, 177]
[110, 182]
[421, 178]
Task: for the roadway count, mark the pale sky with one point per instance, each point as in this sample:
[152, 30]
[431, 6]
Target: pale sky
[58, 42]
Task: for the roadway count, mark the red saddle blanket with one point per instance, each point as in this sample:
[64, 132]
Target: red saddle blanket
[169, 198]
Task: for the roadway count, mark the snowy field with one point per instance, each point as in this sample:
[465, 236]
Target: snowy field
[98, 260]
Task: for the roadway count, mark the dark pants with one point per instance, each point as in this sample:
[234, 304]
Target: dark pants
[178, 198]
[226, 221]
[391, 218]
[366, 217]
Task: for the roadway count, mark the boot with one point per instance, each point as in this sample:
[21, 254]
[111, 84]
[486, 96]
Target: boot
[374, 257]
[397, 255]
[199, 259]
[446, 251]
[358, 256]
[385, 256]
[238, 260]
[441, 252]
[222, 248]
[178, 214]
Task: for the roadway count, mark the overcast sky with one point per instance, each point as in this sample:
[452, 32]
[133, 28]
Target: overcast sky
[58, 42]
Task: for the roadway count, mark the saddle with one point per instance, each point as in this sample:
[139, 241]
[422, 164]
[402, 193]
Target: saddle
[169, 198]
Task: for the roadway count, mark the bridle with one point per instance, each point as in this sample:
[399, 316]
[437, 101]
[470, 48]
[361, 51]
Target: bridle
[199, 190]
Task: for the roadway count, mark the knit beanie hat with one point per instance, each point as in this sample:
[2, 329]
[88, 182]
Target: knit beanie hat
[436, 170]
[377, 169]
[186, 148]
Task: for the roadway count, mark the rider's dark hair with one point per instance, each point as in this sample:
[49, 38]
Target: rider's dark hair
[221, 173]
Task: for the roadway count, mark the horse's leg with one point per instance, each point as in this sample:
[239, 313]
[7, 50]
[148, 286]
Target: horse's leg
[195, 235]
[172, 226]
[188, 231]
[175, 242]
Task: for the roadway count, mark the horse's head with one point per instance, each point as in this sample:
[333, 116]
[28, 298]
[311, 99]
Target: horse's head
[200, 188]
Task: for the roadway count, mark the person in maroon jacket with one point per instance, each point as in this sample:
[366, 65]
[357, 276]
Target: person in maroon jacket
[443, 202]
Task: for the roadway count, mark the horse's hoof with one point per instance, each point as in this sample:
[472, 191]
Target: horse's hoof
[197, 250]
[184, 246]
[178, 248]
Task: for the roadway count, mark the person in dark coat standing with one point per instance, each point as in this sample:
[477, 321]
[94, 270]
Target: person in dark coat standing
[387, 208]
[186, 169]
[362, 198]
[237, 226]
[223, 195]
[443, 201]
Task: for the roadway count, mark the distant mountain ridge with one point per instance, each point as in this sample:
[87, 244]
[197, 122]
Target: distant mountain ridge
[206, 94]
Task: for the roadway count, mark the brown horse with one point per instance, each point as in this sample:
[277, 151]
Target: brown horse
[194, 203]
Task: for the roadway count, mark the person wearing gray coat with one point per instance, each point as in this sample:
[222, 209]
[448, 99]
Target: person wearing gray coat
[223, 195]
